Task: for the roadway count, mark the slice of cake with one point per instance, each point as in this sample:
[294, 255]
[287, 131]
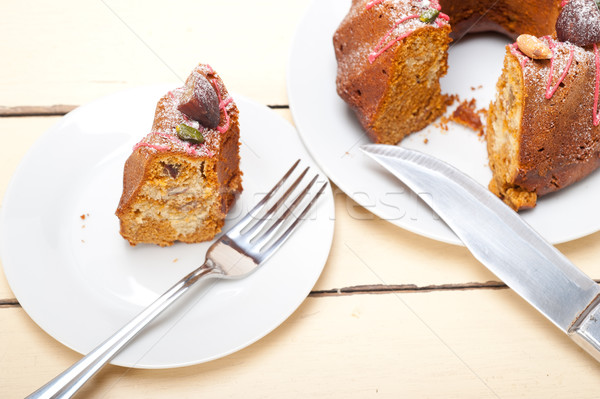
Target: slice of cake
[543, 129]
[391, 55]
[184, 176]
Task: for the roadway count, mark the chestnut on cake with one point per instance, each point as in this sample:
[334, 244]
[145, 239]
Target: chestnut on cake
[184, 176]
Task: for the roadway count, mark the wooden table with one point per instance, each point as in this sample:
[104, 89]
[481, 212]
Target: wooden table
[393, 314]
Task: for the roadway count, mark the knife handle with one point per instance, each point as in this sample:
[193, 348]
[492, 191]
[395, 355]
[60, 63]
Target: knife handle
[586, 333]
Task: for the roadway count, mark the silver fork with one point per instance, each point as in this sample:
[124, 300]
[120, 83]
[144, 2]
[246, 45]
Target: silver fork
[237, 253]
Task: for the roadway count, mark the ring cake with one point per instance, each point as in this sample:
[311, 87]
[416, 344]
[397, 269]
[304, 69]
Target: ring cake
[184, 176]
[542, 128]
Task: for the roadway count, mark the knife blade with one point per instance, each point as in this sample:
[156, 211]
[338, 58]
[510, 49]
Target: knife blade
[502, 241]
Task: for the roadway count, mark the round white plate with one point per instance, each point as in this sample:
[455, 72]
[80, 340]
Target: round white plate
[80, 281]
[333, 136]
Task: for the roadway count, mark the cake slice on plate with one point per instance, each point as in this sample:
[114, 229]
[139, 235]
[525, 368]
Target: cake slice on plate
[183, 177]
[543, 130]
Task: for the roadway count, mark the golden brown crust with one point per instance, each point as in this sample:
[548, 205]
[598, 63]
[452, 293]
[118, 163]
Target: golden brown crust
[536, 145]
[509, 17]
[554, 142]
[177, 191]
[398, 92]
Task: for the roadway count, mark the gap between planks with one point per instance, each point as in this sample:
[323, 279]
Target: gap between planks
[368, 290]
[362, 290]
[406, 288]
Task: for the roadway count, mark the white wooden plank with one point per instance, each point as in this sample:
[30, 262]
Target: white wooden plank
[71, 52]
[469, 344]
[366, 250]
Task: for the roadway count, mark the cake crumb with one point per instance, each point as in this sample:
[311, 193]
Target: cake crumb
[443, 124]
[467, 115]
[83, 216]
[175, 260]
[449, 99]
[425, 141]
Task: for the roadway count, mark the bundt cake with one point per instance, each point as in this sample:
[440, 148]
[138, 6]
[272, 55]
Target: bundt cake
[392, 53]
[184, 176]
[542, 129]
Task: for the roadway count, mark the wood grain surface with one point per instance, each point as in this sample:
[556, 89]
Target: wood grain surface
[393, 314]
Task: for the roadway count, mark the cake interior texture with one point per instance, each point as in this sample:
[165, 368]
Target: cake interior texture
[542, 131]
[179, 199]
[543, 128]
[413, 99]
[504, 130]
[180, 190]
[389, 71]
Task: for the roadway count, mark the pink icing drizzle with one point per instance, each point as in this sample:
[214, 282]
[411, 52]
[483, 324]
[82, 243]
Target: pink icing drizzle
[373, 3]
[596, 119]
[222, 104]
[190, 149]
[379, 49]
[156, 147]
[549, 89]
[514, 49]
[444, 19]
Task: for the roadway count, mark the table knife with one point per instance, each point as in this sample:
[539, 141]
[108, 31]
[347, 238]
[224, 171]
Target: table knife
[501, 240]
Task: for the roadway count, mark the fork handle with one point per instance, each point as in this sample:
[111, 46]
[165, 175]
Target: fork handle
[69, 381]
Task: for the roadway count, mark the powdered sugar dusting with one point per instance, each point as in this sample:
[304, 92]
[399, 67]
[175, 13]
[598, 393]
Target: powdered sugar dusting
[514, 49]
[550, 90]
[568, 62]
[406, 21]
[579, 22]
[163, 136]
[596, 85]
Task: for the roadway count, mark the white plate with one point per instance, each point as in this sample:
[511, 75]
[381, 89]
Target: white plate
[333, 136]
[80, 281]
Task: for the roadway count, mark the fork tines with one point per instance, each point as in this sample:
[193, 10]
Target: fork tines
[273, 219]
